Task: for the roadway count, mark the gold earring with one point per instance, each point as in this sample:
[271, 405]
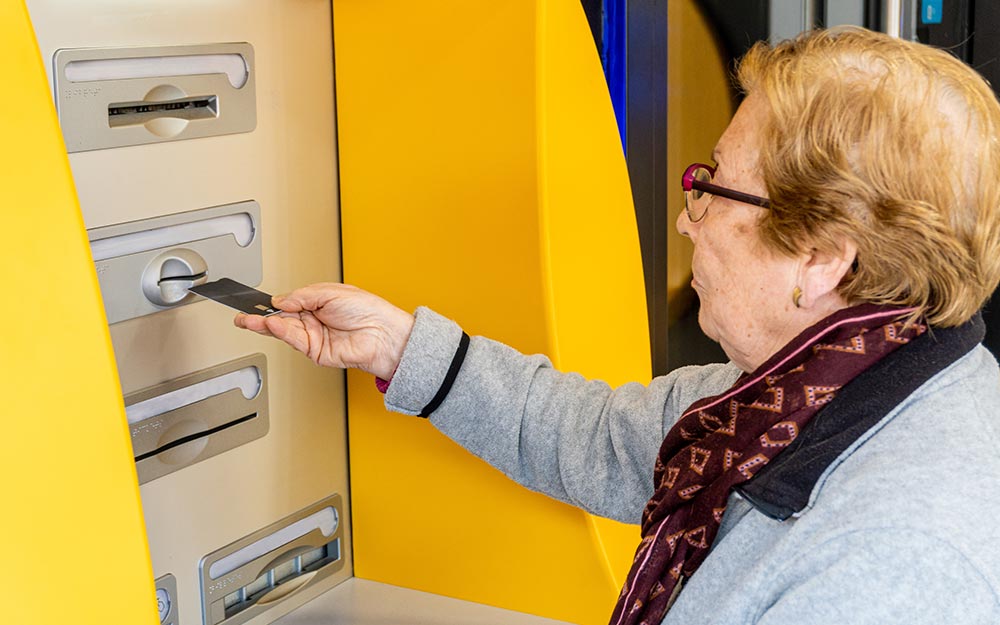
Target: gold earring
[796, 296]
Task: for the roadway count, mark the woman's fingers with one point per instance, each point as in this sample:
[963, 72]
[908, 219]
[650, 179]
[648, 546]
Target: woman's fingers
[254, 323]
[315, 331]
[370, 332]
[312, 297]
[289, 328]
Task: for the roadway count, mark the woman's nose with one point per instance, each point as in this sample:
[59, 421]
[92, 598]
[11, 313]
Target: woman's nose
[684, 225]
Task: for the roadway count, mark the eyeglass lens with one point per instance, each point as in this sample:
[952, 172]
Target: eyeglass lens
[694, 198]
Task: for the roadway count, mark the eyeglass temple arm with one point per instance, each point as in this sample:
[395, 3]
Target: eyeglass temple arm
[708, 187]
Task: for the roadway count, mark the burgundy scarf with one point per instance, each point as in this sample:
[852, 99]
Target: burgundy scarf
[722, 441]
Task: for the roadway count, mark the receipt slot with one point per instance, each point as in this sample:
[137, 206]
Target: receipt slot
[197, 416]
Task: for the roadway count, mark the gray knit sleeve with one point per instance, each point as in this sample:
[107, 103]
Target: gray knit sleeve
[577, 440]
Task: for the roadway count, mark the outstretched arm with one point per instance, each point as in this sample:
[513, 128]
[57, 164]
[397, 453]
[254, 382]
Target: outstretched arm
[577, 440]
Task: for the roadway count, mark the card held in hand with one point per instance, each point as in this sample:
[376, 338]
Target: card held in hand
[239, 296]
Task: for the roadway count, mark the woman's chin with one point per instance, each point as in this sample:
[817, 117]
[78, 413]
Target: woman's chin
[707, 328]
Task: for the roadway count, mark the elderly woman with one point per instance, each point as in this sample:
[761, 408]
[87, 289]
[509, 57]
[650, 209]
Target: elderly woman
[843, 467]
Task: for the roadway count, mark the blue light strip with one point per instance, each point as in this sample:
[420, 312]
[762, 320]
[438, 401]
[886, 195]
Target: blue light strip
[614, 58]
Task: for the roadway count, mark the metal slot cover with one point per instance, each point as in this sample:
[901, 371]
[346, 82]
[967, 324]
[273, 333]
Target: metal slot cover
[197, 416]
[113, 97]
[140, 264]
[242, 580]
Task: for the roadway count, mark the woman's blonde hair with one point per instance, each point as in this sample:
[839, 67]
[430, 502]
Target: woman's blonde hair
[889, 143]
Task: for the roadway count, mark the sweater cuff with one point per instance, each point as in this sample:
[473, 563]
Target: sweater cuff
[382, 385]
[428, 357]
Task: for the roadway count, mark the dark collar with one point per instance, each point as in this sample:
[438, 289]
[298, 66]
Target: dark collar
[784, 486]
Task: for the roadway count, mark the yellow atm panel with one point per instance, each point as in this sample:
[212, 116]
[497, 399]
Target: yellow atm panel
[74, 545]
[482, 175]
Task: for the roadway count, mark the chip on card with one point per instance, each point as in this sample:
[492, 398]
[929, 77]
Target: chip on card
[239, 296]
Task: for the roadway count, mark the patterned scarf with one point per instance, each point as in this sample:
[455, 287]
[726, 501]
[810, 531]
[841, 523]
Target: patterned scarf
[722, 441]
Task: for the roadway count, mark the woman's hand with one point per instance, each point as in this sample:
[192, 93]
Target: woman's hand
[337, 325]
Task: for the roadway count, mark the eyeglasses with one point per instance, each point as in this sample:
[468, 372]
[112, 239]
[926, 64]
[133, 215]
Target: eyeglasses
[697, 183]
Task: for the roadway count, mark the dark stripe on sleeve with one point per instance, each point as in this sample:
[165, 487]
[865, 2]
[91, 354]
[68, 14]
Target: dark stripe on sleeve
[449, 378]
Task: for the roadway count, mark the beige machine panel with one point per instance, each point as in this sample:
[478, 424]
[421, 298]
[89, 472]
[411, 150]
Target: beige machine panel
[286, 164]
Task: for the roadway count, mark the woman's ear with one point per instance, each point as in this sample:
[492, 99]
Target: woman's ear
[823, 271]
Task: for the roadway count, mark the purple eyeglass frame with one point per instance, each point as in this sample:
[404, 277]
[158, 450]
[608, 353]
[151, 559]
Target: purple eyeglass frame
[689, 182]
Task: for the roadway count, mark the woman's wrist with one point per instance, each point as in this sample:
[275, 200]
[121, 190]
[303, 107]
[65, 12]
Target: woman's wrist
[397, 333]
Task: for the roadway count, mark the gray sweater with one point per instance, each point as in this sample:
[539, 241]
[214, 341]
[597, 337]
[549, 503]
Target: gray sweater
[902, 527]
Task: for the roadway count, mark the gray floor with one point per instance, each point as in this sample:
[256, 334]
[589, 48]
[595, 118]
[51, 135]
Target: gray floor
[363, 602]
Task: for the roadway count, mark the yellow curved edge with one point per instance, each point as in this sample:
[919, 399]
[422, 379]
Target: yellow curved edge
[594, 284]
[74, 544]
[482, 175]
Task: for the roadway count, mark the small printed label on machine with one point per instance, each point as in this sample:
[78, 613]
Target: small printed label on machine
[931, 11]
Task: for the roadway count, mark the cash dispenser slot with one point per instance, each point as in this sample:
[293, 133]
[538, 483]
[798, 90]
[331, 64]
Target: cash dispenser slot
[147, 266]
[186, 420]
[113, 97]
[245, 578]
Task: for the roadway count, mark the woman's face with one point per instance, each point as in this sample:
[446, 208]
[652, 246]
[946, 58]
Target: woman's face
[744, 288]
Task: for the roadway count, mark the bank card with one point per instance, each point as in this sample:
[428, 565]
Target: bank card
[239, 296]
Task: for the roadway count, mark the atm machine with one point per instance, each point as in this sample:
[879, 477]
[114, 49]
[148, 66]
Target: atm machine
[165, 467]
